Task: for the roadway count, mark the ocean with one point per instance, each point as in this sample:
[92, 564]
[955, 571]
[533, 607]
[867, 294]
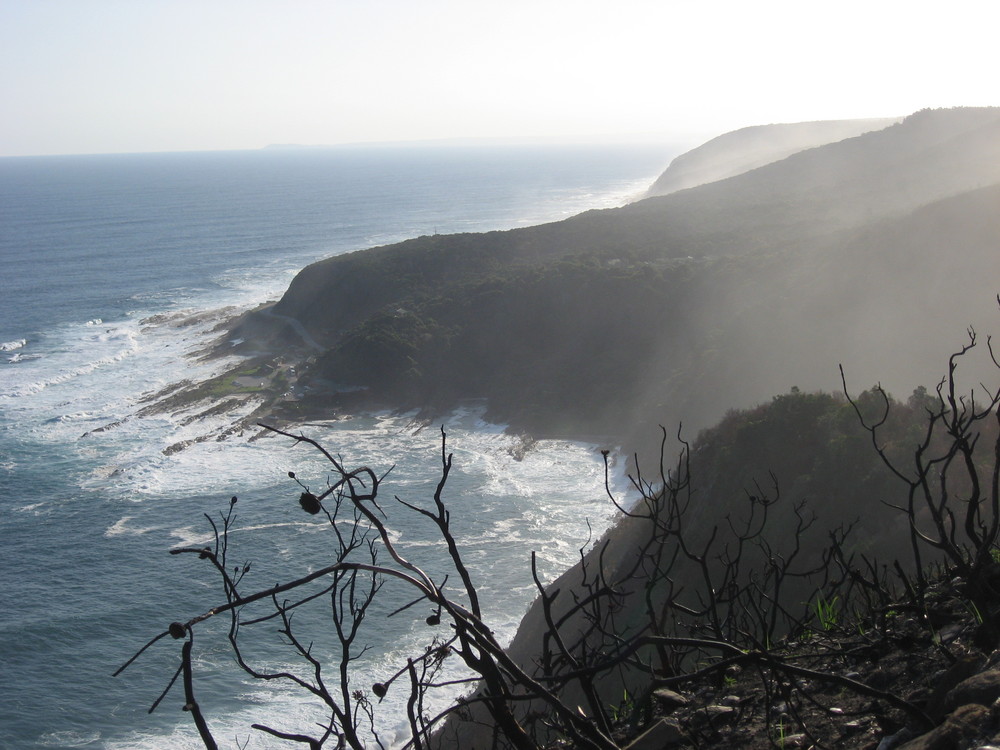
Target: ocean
[116, 272]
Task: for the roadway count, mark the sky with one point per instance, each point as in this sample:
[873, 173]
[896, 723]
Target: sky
[102, 76]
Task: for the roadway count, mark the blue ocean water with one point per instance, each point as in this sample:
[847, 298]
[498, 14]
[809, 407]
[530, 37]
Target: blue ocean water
[115, 271]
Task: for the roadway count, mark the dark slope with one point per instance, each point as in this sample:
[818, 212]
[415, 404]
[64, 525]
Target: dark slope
[876, 251]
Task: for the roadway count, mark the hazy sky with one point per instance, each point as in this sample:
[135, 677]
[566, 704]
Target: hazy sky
[92, 76]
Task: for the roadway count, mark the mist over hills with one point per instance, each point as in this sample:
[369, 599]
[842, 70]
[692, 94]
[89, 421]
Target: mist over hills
[748, 148]
[875, 250]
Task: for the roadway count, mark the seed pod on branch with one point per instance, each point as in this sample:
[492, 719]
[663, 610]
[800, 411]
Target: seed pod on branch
[310, 503]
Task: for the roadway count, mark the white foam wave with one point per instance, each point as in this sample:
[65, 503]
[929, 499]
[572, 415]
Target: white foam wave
[80, 416]
[19, 357]
[68, 739]
[130, 347]
[121, 527]
[570, 202]
[188, 536]
[30, 508]
[276, 706]
[9, 346]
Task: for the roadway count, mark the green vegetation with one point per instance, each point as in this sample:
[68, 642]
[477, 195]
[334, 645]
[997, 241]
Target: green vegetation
[624, 709]
[827, 613]
[253, 379]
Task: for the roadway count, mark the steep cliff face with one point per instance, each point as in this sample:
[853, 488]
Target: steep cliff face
[871, 251]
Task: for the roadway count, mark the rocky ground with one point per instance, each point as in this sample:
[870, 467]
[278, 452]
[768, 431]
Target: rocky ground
[931, 681]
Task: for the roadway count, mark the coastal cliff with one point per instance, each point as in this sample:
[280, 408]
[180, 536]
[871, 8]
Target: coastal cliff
[673, 308]
[875, 252]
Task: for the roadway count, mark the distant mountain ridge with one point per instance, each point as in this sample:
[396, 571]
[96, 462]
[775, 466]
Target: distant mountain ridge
[875, 251]
[748, 148]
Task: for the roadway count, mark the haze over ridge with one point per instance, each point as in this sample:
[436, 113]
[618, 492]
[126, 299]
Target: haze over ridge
[748, 148]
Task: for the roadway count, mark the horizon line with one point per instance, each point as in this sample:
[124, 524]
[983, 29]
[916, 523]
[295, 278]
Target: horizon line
[452, 141]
